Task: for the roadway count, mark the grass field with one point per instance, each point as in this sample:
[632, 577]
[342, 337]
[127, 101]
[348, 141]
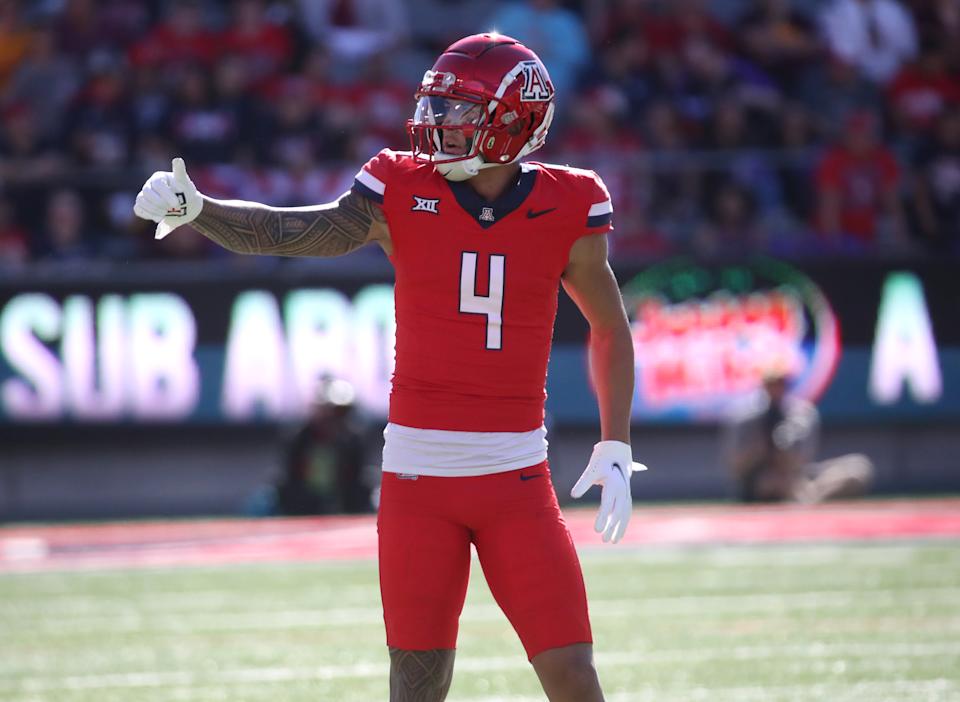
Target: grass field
[765, 623]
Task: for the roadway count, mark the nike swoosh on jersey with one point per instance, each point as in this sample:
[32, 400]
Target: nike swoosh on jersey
[539, 213]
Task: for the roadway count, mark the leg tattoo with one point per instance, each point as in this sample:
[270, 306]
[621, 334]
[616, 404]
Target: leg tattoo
[420, 676]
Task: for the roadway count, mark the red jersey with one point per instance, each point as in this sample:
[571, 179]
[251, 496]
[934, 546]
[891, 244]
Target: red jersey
[476, 287]
[861, 182]
[920, 97]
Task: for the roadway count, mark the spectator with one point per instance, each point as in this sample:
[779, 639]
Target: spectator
[86, 27]
[101, 124]
[181, 39]
[713, 72]
[324, 466]
[693, 64]
[835, 90]
[190, 247]
[234, 99]
[696, 61]
[730, 231]
[295, 134]
[623, 65]
[936, 191]
[448, 21]
[938, 21]
[204, 129]
[301, 139]
[26, 155]
[665, 78]
[727, 129]
[684, 27]
[877, 36]
[554, 33]
[124, 238]
[857, 188]
[609, 21]
[921, 91]
[28, 162]
[780, 40]
[671, 195]
[14, 39]
[77, 29]
[798, 141]
[380, 106]
[150, 102]
[339, 123]
[14, 249]
[45, 80]
[770, 444]
[64, 234]
[600, 125]
[265, 48]
[735, 141]
[600, 130]
[353, 30]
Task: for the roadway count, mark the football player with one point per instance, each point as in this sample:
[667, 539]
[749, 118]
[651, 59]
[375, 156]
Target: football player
[480, 242]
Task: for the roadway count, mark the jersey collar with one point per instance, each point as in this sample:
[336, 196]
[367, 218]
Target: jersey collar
[486, 214]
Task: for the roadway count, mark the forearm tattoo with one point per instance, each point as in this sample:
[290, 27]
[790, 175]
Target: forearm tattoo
[328, 230]
[420, 676]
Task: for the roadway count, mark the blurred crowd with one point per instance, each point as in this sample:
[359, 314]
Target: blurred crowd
[722, 127]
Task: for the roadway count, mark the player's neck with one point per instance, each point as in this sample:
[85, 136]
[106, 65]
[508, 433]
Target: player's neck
[491, 183]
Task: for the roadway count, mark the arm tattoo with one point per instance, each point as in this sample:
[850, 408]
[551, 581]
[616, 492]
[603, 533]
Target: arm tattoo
[326, 230]
[420, 676]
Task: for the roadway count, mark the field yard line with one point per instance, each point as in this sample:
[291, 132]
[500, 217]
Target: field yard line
[748, 602]
[891, 554]
[713, 583]
[154, 679]
[874, 691]
[166, 557]
[879, 691]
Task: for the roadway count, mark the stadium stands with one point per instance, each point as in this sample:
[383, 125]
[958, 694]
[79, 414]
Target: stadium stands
[723, 128]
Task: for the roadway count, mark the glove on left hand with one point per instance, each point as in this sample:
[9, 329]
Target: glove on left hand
[610, 467]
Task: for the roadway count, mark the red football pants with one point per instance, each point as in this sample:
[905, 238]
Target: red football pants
[426, 526]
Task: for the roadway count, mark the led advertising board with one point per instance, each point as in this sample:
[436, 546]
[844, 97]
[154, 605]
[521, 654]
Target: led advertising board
[866, 341]
[251, 355]
[706, 335]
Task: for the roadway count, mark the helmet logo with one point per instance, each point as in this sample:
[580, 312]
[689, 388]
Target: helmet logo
[437, 78]
[535, 87]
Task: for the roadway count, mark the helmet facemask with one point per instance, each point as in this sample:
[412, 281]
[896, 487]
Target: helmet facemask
[448, 131]
[462, 127]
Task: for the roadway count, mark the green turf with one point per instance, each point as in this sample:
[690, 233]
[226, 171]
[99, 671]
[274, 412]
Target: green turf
[731, 624]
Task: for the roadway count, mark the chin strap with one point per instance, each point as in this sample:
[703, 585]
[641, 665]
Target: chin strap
[464, 170]
[460, 170]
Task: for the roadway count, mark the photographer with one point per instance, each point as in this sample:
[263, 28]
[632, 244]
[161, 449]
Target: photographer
[770, 446]
[325, 461]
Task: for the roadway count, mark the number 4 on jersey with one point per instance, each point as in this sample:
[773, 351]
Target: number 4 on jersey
[489, 305]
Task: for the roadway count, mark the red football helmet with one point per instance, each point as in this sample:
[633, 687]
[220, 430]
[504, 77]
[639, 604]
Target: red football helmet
[487, 101]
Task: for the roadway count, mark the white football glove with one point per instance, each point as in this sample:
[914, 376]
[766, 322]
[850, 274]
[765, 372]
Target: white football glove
[610, 467]
[169, 199]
